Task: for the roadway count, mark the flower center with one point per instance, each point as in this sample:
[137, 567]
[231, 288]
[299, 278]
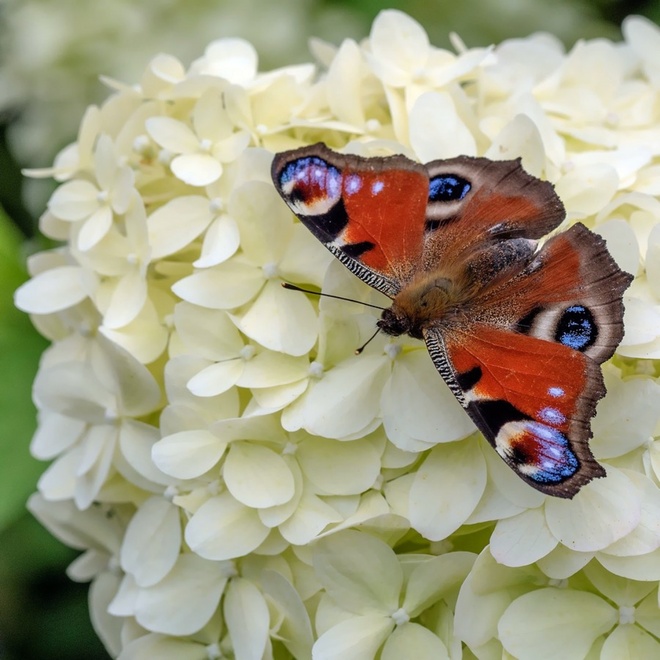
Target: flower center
[102, 196]
[558, 584]
[400, 616]
[270, 271]
[165, 156]
[216, 205]
[392, 350]
[315, 370]
[205, 145]
[373, 125]
[247, 352]
[170, 493]
[141, 144]
[626, 615]
[213, 651]
[289, 449]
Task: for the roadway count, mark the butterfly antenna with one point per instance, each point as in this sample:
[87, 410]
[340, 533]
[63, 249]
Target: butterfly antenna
[293, 287]
[366, 343]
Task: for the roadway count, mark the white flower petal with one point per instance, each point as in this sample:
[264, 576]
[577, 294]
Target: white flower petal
[344, 401]
[281, 320]
[446, 489]
[587, 189]
[152, 542]
[523, 539]
[627, 425]
[52, 291]
[268, 369]
[55, 434]
[346, 72]
[641, 567]
[225, 286]
[553, 624]
[629, 641]
[221, 241]
[207, 333]
[127, 300]
[216, 378]
[641, 321]
[412, 640]
[433, 578]
[223, 528]
[188, 454]
[561, 563]
[257, 476]
[247, 619]
[176, 224]
[321, 460]
[172, 134]
[399, 45]
[437, 131]
[359, 572]
[621, 244]
[184, 601]
[295, 630]
[233, 59]
[196, 169]
[276, 398]
[309, 519]
[520, 138]
[74, 200]
[354, 639]
[601, 513]
[419, 411]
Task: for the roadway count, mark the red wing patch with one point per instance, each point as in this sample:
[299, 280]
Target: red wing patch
[533, 400]
[370, 212]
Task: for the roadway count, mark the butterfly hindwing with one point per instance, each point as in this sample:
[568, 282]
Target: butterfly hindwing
[369, 212]
[527, 371]
[488, 202]
[516, 391]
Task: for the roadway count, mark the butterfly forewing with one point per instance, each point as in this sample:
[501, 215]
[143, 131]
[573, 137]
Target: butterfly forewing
[370, 212]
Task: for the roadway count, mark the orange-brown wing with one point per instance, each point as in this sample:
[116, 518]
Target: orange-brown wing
[498, 202]
[526, 367]
[517, 391]
[369, 212]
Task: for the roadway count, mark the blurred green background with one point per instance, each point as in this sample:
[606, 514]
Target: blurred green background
[51, 54]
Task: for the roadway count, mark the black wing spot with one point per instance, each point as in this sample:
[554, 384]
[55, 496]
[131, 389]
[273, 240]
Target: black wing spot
[576, 328]
[524, 325]
[496, 413]
[468, 379]
[448, 188]
[356, 250]
[327, 226]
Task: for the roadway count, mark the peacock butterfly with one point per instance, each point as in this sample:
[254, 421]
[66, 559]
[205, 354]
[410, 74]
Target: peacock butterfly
[517, 332]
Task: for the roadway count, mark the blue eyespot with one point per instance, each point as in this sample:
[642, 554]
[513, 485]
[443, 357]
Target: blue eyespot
[448, 188]
[577, 328]
[306, 181]
[555, 460]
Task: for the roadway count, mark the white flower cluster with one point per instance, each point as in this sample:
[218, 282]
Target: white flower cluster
[241, 483]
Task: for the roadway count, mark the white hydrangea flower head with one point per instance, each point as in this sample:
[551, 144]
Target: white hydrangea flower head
[217, 443]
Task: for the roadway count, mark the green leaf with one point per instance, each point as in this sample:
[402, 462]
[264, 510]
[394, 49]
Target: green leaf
[20, 349]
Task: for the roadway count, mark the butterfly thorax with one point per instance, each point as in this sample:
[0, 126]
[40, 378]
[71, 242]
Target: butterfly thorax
[427, 301]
